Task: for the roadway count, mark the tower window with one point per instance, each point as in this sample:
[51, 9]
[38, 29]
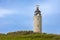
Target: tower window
[37, 18]
[37, 25]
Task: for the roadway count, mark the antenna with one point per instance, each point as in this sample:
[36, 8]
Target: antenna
[37, 6]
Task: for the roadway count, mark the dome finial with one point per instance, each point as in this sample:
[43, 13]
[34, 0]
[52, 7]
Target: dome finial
[37, 7]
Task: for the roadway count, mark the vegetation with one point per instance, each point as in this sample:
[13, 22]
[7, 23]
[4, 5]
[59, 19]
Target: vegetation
[28, 35]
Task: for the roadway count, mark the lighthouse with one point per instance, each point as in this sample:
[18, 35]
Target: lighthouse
[37, 20]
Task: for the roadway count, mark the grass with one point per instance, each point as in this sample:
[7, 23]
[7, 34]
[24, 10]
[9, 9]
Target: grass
[28, 35]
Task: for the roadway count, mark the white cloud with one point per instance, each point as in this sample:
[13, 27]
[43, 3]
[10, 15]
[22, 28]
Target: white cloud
[4, 12]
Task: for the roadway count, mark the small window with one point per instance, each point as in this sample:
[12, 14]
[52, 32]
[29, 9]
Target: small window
[37, 25]
[37, 18]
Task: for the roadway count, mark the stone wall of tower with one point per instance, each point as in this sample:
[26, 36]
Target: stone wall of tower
[38, 23]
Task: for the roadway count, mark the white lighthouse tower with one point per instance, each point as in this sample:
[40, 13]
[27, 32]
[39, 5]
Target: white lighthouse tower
[37, 21]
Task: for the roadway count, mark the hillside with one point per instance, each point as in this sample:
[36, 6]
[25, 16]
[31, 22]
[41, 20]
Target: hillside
[28, 35]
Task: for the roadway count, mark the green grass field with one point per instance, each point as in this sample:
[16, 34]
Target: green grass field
[28, 35]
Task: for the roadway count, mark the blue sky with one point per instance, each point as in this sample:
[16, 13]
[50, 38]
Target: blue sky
[17, 15]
